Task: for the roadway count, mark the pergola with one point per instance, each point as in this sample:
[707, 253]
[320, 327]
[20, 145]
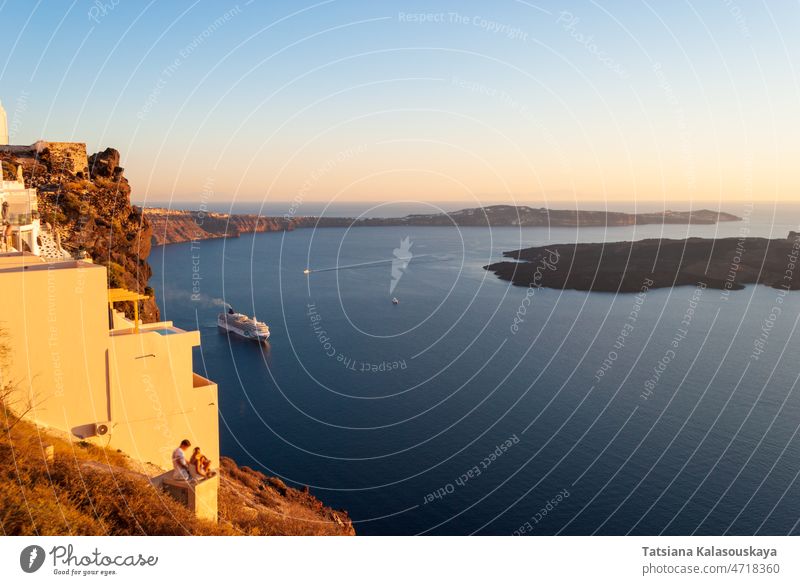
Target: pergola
[119, 295]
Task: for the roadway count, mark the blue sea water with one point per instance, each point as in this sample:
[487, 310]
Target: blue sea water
[473, 406]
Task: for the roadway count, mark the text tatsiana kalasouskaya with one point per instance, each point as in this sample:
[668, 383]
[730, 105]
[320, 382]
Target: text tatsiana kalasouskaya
[709, 551]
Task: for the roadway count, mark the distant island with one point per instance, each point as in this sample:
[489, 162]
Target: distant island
[725, 263]
[172, 226]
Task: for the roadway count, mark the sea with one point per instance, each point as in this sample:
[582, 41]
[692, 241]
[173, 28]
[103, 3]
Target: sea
[471, 406]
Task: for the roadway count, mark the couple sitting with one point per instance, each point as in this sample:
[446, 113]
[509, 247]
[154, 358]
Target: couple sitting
[198, 468]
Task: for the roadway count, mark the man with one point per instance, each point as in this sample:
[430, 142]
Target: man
[179, 461]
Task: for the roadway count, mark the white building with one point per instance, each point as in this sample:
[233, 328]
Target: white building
[3, 125]
[19, 227]
[20, 215]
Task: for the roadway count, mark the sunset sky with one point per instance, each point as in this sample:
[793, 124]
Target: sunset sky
[436, 101]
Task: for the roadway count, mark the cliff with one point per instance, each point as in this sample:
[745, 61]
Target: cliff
[87, 490]
[524, 216]
[173, 226]
[85, 203]
[725, 263]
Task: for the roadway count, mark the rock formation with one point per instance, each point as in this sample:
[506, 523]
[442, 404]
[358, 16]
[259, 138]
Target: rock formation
[86, 203]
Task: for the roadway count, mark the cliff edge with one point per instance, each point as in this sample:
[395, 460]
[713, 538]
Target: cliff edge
[85, 203]
[51, 485]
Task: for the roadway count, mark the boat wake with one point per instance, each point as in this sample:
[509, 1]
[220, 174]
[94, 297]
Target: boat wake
[417, 260]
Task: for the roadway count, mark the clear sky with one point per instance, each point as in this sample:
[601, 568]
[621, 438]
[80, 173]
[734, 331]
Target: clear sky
[439, 101]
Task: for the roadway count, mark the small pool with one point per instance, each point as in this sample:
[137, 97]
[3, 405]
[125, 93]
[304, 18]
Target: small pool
[165, 331]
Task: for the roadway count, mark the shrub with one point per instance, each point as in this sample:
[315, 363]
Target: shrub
[116, 274]
[71, 497]
[71, 203]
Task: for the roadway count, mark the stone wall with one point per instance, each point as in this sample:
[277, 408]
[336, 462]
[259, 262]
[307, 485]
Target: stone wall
[65, 156]
[69, 157]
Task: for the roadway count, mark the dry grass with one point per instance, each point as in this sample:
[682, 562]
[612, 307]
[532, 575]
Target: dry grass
[89, 490]
[259, 505]
[68, 497]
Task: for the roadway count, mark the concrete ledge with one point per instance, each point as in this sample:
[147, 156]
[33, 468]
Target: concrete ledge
[199, 496]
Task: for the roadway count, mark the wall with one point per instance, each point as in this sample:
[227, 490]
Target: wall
[79, 374]
[52, 318]
[64, 156]
[154, 402]
[68, 156]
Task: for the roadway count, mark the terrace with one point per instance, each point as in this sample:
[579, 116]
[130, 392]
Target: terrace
[20, 207]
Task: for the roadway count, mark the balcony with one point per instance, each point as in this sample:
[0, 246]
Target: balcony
[19, 207]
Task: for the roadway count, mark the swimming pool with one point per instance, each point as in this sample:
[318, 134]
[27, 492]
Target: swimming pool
[165, 331]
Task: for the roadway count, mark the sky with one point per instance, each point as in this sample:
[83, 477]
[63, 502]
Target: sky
[438, 101]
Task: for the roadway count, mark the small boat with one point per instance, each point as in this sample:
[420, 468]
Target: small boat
[243, 326]
[395, 301]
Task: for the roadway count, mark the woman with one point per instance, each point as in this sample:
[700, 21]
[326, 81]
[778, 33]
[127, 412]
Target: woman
[201, 463]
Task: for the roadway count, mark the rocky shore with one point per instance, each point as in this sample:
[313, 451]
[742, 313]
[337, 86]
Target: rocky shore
[726, 264]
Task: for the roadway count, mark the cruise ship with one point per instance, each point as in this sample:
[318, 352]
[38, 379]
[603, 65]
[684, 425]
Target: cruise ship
[243, 326]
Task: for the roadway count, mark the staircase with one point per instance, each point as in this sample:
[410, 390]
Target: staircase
[49, 247]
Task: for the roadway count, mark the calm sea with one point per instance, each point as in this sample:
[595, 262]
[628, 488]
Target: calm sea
[473, 406]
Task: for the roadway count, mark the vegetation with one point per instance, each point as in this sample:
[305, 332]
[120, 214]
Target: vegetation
[116, 274]
[259, 505]
[89, 490]
[90, 211]
[69, 497]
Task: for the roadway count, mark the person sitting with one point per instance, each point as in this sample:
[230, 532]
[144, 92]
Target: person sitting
[179, 461]
[205, 462]
[202, 464]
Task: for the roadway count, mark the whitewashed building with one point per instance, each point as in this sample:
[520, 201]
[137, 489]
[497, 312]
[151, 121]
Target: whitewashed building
[19, 206]
[3, 125]
[20, 215]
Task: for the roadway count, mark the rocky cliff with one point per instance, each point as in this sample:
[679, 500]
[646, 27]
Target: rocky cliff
[85, 203]
[173, 226]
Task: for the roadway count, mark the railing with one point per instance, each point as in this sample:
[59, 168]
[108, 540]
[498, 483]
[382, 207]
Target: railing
[20, 209]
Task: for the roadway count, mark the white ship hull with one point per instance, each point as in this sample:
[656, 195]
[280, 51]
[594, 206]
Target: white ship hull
[251, 335]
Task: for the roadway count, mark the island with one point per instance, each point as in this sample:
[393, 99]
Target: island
[171, 226]
[723, 263]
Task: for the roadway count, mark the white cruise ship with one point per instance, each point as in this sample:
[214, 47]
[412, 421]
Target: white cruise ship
[243, 326]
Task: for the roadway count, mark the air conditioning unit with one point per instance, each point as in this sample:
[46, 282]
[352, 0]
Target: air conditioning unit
[102, 428]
